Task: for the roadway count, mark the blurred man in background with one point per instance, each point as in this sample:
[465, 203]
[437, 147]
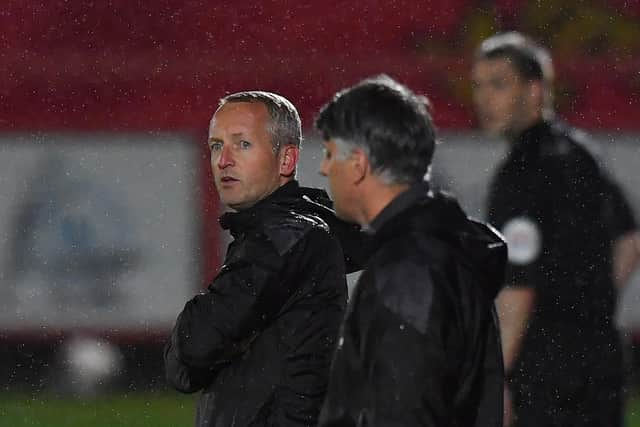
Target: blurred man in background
[420, 344]
[258, 342]
[572, 243]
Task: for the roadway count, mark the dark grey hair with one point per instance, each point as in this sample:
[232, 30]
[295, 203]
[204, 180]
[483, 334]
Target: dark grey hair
[385, 119]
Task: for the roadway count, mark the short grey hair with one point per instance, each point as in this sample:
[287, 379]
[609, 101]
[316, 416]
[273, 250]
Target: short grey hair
[345, 148]
[388, 121]
[285, 126]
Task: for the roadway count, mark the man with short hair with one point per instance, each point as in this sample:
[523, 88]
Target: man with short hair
[563, 219]
[258, 342]
[419, 345]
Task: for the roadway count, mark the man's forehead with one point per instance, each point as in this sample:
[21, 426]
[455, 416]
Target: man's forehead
[501, 65]
[234, 130]
[239, 117]
[241, 109]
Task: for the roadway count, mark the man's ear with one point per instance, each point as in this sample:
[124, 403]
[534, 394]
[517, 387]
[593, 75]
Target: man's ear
[360, 165]
[288, 160]
[537, 93]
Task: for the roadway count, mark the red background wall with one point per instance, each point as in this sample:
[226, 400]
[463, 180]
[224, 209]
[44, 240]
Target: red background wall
[134, 64]
[123, 65]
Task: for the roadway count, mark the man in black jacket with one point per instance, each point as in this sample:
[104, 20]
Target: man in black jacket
[572, 241]
[419, 345]
[258, 342]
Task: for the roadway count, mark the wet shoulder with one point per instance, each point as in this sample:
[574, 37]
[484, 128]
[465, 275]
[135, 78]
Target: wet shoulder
[405, 254]
[401, 275]
[567, 144]
[286, 227]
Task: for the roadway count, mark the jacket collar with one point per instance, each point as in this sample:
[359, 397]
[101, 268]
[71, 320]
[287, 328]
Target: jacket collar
[401, 203]
[237, 222]
[530, 138]
[418, 208]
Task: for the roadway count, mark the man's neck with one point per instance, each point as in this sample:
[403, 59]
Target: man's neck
[512, 135]
[376, 198]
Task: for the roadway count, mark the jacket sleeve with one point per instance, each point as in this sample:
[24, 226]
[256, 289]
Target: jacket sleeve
[221, 323]
[515, 208]
[350, 235]
[180, 376]
[250, 290]
[617, 211]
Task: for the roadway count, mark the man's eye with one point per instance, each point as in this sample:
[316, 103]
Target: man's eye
[326, 153]
[216, 146]
[245, 144]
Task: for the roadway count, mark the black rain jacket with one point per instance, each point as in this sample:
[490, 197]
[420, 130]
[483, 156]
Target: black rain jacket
[259, 341]
[420, 342]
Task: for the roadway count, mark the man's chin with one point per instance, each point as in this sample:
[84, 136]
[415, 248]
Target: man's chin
[230, 202]
[237, 206]
[344, 216]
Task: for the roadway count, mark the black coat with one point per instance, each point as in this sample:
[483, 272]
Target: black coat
[561, 212]
[420, 342]
[259, 342]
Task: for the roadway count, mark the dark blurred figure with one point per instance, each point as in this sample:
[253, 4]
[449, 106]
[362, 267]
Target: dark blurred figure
[419, 345]
[572, 242]
[259, 341]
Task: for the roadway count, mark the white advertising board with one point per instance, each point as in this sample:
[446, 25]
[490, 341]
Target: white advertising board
[97, 230]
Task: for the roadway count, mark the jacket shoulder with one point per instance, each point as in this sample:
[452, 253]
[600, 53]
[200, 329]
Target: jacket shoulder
[570, 144]
[401, 273]
[407, 296]
[287, 227]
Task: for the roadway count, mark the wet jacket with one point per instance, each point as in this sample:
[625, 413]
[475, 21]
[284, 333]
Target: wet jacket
[420, 343]
[259, 341]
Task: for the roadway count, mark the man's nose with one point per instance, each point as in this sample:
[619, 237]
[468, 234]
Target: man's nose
[225, 157]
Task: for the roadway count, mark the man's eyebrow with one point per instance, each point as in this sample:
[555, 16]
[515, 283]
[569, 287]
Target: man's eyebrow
[234, 135]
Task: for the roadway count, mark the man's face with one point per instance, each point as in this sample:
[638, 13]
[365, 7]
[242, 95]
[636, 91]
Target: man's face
[244, 165]
[340, 174]
[501, 97]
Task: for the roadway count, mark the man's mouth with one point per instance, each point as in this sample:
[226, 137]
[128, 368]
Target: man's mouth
[227, 179]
